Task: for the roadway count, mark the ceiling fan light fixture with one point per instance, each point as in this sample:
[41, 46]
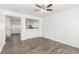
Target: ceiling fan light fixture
[43, 10]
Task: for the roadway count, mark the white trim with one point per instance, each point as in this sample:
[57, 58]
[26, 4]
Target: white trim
[2, 46]
[61, 41]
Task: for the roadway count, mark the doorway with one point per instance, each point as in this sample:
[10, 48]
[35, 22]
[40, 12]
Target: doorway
[13, 33]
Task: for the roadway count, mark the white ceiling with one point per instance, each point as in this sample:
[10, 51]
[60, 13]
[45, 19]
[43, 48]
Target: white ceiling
[29, 8]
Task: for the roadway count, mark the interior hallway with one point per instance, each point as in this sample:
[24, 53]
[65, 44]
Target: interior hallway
[13, 44]
[36, 46]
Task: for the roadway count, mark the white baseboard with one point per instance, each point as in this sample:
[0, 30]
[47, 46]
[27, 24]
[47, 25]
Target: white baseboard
[30, 38]
[2, 45]
[63, 42]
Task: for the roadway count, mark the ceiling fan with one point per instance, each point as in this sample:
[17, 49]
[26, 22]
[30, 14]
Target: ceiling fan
[44, 7]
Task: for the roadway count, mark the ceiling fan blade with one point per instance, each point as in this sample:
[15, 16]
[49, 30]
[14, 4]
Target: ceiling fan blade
[38, 5]
[49, 9]
[49, 5]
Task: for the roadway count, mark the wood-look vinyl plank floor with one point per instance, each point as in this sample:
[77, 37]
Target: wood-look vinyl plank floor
[38, 45]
